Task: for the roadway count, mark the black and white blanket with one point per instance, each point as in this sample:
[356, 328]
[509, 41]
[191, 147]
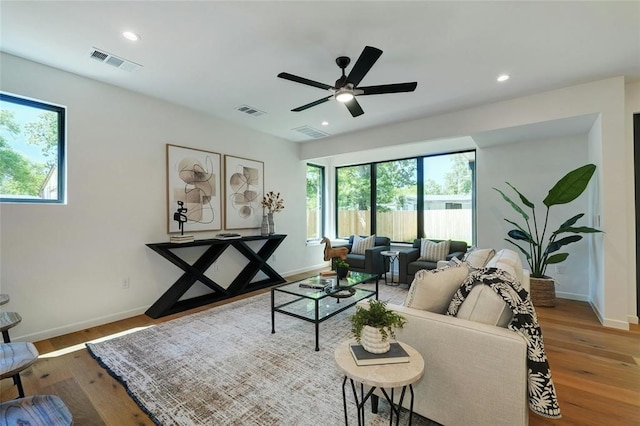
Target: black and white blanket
[542, 393]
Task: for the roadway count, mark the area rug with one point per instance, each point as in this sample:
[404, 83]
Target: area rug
[223, 366]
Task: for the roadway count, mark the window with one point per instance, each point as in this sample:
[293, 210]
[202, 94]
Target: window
[353, 200]
[32, 142]
[315, 202]
[429, 197]
[448, 203]
[396, 213]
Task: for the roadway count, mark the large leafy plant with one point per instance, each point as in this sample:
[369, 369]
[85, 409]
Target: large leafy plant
[540, 250]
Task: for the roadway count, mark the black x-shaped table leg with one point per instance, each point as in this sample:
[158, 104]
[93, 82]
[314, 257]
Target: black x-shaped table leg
[169, 302]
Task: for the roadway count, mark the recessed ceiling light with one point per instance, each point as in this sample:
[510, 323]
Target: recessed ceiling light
[325, 123]
[131, 36]
[503, 77]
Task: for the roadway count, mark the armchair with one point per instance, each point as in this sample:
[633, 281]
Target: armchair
[409, 264]
[372, 261]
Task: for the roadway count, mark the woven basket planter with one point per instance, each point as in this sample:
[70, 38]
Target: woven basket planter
[543, 291]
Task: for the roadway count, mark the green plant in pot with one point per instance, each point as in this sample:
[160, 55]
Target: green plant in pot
[540, 249]
[375, 326]
[342, 267]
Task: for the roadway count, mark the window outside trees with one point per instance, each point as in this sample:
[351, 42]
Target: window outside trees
[31, 151]
[430, 197]
[353, 195]
[448, 197]
[396, 213]
[315, 202]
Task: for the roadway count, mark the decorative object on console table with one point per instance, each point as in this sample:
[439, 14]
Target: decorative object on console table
[264, 227]
[244, 185]
[539, 256]
[373, 327]
[193, 178]
[181, 217]
[273, 203]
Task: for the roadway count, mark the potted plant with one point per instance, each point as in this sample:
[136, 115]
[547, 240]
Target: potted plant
[540, 249]
[373, 327]
[342, 267]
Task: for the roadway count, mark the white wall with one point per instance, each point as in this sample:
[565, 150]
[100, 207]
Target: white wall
[63, 264]
[533, 167]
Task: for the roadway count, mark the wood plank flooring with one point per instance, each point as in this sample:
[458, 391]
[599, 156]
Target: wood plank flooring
[595, 369]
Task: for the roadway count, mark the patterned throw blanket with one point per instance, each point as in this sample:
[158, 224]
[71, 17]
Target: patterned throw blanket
[542, 393]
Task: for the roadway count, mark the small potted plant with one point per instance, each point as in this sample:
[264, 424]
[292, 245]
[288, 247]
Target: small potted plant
[375, 326]
[342, 267]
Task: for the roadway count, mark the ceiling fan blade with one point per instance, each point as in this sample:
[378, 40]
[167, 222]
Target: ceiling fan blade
[354, 107]
[367, 58]
[388, 88]
[312, 104]
[303, 80]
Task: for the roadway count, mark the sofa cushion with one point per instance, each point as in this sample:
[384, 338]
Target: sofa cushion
[361, 244]
[432, 290]
[432, 251]
[486, 306]
[478, 258]
[507, 260]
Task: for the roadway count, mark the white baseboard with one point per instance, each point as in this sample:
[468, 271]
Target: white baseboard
[307, 269]
[572, 296]
[633, 319]
[72, 328]
[620, 325]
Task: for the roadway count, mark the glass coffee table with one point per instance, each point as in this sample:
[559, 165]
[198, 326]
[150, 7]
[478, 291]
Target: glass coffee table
[316, 299]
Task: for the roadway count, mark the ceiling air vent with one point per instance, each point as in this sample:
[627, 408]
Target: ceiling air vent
[254, 112]
[310, 131]
[113, 60]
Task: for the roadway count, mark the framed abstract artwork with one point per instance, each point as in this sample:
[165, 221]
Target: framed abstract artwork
[244, 188]
[193, 185]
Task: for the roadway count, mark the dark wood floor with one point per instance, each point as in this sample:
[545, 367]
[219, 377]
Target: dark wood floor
[595, 369]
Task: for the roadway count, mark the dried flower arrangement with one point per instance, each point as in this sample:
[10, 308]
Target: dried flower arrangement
[272, 202]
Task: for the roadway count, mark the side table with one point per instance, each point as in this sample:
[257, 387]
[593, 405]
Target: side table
[387, 377]
[390, 257]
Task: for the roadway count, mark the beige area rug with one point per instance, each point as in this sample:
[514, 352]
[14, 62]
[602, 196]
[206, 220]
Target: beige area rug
[223, 366]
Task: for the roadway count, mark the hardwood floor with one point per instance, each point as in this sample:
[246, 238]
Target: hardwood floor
[595, 369]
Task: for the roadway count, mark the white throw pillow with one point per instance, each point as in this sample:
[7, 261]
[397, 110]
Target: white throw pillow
[432, 252]
[361, 244]
[478, 258]
[507, 260]
[432, 290]
[486, 306]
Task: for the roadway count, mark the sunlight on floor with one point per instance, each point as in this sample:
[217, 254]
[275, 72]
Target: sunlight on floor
[81, 346]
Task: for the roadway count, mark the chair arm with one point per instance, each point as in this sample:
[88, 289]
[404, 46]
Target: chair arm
[458, 254]
[404, 258]
[374, 261]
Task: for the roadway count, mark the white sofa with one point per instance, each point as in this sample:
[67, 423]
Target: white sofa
[475, 373]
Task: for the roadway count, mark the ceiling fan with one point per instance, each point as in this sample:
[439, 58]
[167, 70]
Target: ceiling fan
[346, 87]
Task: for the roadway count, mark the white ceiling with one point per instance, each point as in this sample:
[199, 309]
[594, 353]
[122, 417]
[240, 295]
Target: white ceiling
[215, 56]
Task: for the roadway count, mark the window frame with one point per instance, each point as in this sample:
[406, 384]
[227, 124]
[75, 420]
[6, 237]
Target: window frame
[61, 155]
[321, 202]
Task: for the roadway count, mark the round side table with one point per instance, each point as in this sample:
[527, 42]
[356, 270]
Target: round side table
[390, 258]
[386, 377]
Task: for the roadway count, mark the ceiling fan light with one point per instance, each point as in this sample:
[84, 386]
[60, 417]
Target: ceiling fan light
[344, 95]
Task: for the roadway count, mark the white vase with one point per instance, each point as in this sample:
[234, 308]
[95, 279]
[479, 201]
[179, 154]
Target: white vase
[371, 340]
[264, 228]
[272, 226]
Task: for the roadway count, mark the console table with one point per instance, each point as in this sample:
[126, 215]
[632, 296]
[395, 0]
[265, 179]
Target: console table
[169, 302]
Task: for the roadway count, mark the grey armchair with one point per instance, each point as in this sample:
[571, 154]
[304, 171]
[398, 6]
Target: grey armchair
[409, 264]
[372, 261]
